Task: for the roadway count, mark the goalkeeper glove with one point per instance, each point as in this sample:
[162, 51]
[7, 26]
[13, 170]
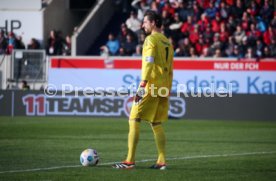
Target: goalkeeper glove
[140, 92]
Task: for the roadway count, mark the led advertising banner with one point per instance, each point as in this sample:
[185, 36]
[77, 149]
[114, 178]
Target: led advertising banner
[258, 107]
[241, 77]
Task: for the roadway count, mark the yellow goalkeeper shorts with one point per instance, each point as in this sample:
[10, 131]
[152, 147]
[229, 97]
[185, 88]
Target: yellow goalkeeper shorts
[151, 109]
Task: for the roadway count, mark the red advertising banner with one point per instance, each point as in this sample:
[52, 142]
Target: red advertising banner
[185, 64]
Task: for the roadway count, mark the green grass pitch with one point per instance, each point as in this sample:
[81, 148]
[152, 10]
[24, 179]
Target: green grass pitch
[46, 149]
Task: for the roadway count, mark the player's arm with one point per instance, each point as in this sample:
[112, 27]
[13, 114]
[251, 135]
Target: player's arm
[147, 66]
[148, 58]
[146, 71]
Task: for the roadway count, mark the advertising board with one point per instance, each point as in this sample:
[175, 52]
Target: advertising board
[258, 107]
[241, 77]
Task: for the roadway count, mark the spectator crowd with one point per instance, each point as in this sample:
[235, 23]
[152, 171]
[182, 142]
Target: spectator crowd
[203, 28]
[196, 28]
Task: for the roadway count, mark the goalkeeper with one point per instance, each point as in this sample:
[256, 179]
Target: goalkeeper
[151, 102]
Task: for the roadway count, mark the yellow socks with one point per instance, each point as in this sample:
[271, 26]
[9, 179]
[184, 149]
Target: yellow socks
[160, 141]
[133, 137]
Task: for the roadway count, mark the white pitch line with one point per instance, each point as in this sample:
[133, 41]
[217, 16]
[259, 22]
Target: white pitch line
[142, 161]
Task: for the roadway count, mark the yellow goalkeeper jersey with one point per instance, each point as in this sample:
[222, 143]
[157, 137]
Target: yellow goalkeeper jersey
[157, 61]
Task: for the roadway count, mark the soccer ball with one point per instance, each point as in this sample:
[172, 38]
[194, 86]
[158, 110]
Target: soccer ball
[89, 157]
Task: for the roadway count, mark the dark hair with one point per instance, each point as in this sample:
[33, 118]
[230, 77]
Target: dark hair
[153, 16]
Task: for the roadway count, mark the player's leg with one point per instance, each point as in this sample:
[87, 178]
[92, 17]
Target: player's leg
[138, 112]
[160, 140]
[142, 111]
[145, 110]
[133, 138]
[159, 134]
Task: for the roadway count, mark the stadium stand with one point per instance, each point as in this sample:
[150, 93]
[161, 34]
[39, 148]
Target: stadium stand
[196, 28]
[210, 28]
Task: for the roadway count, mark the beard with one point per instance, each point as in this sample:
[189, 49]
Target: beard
[147, 32]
